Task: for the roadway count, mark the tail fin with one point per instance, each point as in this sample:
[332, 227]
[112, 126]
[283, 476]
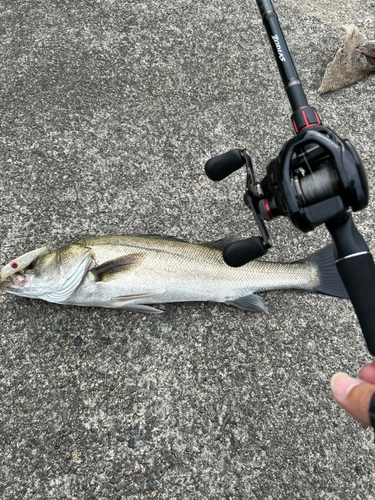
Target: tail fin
[330, 282]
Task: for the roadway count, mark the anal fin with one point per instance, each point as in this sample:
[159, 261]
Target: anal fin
[251, 302]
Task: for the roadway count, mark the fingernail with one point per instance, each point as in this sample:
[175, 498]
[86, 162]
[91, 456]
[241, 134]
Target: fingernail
[342, 384]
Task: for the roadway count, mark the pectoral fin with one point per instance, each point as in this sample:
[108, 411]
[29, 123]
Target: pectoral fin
[111, 269]
[250, 303]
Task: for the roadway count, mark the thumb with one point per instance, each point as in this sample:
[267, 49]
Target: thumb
[353, 395]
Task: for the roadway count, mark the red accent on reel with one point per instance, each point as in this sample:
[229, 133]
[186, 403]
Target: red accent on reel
[305, 117]
[266, 204]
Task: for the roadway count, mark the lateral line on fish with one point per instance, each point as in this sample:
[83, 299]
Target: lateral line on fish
[156, 250]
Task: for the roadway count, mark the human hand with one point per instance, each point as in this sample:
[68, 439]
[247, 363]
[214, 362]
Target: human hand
[354, 394]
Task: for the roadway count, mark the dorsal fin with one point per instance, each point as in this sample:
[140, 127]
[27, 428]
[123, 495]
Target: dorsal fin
[218, 244]
[159, 237]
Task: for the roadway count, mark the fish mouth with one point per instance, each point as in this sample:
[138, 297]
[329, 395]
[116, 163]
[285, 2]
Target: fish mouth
[15, 283]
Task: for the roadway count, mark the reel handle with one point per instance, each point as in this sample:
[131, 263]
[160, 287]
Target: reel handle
[219, 167]
[238, 253]
[356, 267]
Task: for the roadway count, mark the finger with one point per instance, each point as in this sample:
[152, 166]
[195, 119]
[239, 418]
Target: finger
[368, 373]
[353, 395]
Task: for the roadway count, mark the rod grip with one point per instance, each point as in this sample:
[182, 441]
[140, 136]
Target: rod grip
[358, 275]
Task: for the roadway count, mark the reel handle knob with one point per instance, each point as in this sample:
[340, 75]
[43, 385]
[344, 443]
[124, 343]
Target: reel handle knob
[219, 167]
[241, 252]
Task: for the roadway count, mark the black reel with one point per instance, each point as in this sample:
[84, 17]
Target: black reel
[317, 179]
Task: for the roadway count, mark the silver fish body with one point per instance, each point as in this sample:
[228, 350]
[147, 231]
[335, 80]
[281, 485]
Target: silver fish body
[131, 272]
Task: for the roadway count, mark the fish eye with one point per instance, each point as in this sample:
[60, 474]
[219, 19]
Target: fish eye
[33, 263]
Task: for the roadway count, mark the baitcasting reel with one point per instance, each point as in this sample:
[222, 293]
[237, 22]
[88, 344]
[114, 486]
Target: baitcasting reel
[317, 179]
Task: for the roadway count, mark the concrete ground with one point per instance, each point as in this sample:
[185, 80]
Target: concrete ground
[109, 111]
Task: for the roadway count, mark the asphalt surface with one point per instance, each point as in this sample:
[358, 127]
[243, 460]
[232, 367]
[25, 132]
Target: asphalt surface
[109, 111]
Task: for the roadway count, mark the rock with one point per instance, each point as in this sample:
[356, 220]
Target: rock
[78, 341]
[132, 390]
[152, 484]
[65, 417]
[235, 443]
[225, 422]
[54, 326]
[352, 62]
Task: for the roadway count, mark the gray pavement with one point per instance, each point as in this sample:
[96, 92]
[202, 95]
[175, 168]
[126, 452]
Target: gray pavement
[109, 110]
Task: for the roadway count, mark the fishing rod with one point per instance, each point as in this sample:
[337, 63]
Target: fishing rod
[317, 178]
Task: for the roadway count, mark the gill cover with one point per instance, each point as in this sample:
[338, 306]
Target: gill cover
[73, 268]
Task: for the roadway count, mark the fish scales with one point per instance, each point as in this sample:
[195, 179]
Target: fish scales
[204, 274]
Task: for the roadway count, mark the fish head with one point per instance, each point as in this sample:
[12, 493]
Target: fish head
[34, 279]
[52, 276]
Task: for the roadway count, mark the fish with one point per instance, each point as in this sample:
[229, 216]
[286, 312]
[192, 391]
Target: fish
[136, 272]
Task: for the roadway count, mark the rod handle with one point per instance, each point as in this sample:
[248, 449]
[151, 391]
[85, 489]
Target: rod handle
[356, 267]
[358, 275]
